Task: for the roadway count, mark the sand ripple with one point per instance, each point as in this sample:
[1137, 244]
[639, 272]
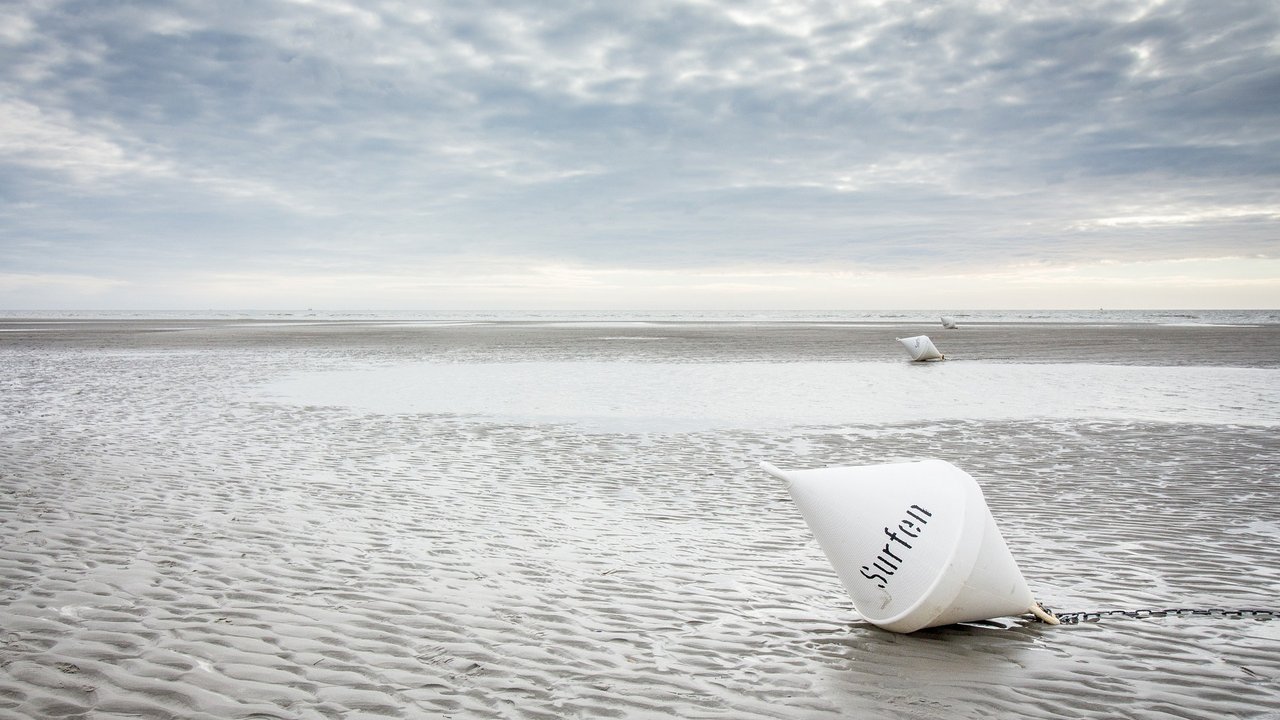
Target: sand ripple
[170, 547]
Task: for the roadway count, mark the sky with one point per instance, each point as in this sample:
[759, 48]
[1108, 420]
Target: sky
[577, 155]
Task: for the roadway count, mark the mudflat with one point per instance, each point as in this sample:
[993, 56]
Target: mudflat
[179, 537]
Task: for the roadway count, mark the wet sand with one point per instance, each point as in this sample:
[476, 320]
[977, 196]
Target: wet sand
[172, 544]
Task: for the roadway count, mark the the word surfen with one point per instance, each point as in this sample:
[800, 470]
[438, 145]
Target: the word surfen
[888, 562]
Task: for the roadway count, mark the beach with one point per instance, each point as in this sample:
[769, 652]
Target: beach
[249, 518]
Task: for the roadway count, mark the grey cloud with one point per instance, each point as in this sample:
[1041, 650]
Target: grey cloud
[650, 133]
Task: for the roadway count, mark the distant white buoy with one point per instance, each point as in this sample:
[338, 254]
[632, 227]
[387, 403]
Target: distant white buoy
[948, 323]
[921, 348]
[914, 544]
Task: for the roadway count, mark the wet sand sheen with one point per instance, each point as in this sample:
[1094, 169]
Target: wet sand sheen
[681, 397]
[173, 546]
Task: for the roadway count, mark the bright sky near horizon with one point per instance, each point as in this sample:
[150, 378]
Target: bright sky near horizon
[709, 154]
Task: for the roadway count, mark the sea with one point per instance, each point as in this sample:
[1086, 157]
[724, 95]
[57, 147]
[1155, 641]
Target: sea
[1089, 316]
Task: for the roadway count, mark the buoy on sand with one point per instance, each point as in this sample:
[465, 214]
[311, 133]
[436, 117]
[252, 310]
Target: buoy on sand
[948, 323]
[921, 348]
[914, 543]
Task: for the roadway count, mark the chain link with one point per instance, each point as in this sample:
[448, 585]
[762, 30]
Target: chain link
[1075, 618]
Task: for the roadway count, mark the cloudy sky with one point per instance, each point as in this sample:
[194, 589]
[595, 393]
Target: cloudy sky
[710, 154]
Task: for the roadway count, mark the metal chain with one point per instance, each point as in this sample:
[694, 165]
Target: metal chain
[1076, 618]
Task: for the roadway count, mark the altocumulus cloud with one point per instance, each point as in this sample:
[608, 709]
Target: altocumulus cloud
[149, 140]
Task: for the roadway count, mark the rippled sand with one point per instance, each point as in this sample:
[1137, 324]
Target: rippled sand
[172, 545]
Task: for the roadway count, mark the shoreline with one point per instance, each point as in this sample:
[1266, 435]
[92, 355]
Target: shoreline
[1153, 345]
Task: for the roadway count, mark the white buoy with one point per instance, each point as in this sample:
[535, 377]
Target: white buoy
[914, 544]
[948, 323]
[921, 348]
